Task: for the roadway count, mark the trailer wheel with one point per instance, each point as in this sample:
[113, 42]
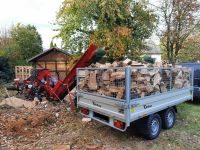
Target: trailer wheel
[150, 127]
[168, 118]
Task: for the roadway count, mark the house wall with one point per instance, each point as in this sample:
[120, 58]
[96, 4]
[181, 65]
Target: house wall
[157, 57]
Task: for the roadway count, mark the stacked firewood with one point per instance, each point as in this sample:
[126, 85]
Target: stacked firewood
[146, 79]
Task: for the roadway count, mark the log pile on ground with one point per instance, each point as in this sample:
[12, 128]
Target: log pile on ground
[146, 79]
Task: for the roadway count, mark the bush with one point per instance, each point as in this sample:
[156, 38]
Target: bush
[6, 72]
[149, 59]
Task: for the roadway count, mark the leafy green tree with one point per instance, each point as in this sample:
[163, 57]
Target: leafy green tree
[119, 25]
[27, 42]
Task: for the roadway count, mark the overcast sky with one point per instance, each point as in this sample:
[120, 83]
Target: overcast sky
[40, 13]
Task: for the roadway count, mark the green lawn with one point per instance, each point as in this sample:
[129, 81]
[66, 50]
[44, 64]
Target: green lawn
[188, 118]
[185, 135]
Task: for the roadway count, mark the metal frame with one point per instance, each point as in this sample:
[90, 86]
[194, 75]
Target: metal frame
[158, 101]
[128, 94]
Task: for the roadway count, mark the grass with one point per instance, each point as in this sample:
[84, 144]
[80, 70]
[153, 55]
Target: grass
[188, 118]
[2, 91]
[185, 131]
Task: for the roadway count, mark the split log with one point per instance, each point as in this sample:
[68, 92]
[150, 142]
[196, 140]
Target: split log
[113, 89]
[141, 79]
[142, 87]
[138, 91]
[134, 85]
[186, 83]
[163, 87]
[178, 84]
[144, 82]
[136, 64]
[147, 78]
[153, 72]
[156, 88]
[92, 81]
[156, 79]
[180, 74]
[144, 72]
[97, 65]
[106, 77]
[120, 93]
[158, 64]
[104, 92]
[127, 62]
[114, 64]
[117, 75]
[82, 83]
[106, 65]
[136, 75]
[149, 88]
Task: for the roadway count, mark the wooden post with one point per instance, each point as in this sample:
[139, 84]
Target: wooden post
[45, 63]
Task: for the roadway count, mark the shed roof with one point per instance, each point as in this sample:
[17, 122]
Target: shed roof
[48, 51]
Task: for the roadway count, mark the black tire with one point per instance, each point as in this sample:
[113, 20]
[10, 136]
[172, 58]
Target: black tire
[168, 118]
[150, 127]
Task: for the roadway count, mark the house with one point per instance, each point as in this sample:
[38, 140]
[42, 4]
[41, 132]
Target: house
[54, 59]
[152, 50]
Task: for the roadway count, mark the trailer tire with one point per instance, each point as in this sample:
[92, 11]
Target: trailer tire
[150, 127]
[168, 118]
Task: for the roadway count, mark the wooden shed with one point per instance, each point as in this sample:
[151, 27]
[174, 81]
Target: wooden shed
[54, 59]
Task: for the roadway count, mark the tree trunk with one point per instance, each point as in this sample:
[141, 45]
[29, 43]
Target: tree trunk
[172, 53]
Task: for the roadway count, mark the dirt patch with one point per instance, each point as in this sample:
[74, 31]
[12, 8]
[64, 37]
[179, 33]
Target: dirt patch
[29, 123]
[53, 124]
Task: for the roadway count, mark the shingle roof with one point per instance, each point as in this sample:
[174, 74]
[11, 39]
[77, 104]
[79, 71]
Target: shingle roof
[47, 51]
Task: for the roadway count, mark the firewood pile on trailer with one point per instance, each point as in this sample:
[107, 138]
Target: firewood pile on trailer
[146, 79]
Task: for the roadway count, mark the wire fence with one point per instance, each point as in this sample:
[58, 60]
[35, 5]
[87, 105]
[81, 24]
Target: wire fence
[105, 82]
[144, 81]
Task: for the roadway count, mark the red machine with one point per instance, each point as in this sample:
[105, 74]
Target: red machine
[41, 83]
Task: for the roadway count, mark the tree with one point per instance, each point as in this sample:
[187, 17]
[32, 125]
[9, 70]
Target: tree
[27, 42]
[119, 25]
[52, 44]
[190, 51]
[179, 18]
[5, 70]
[6, 42]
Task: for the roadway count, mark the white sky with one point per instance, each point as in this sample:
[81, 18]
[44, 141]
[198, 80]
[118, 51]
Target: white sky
[40, 13]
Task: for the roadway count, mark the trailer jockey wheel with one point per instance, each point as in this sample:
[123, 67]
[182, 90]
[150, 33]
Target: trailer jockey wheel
[74, 97]
[168, 118]
[75, 101]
